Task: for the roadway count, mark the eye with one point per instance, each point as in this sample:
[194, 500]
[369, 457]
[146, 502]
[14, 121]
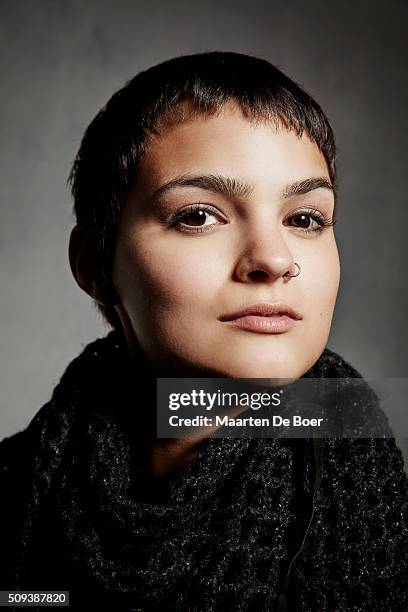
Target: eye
[310, 221]
[196, 218]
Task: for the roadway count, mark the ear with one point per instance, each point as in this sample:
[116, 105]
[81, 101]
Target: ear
[86, 270]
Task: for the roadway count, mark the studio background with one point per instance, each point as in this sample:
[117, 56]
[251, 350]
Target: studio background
[60, 63]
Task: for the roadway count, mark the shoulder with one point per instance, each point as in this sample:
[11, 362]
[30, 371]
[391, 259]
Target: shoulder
[56, 417]
[14, 451]
[16, 467]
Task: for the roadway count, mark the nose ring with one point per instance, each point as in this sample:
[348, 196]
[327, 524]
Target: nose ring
[293, 275]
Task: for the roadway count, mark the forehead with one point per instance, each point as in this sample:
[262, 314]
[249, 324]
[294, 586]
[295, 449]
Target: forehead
[229, 142]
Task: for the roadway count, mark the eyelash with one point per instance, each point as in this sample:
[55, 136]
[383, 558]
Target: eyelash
[176, 221]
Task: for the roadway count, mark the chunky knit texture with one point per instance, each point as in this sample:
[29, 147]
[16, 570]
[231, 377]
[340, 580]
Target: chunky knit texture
[81, 513]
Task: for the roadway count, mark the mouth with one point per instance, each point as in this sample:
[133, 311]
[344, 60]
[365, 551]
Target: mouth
[263, 318]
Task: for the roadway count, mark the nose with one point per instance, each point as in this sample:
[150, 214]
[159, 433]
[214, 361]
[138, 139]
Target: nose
[265, 256]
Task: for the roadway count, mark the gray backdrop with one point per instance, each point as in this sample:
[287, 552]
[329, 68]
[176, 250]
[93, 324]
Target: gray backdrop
[60, 62]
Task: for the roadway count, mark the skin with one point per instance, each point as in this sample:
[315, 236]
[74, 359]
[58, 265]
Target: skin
[174, 285]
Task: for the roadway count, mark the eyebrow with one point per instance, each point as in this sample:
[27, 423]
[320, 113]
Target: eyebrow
[235, 188]
[301, 187]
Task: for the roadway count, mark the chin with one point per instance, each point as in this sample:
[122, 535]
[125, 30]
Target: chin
[253, 356]
[277, 371]
[246, 366]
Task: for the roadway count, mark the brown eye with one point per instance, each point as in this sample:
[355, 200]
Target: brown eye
[309, 221]
[302, 220]
[196, 218]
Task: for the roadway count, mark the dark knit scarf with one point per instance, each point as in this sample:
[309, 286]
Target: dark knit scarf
[226, 532]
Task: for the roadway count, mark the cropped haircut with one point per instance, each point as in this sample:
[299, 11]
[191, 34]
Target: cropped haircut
[115, 141]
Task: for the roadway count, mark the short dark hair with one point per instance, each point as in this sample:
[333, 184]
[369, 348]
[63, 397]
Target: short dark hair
[117, 138]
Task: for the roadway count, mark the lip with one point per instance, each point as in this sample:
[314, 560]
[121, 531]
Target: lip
[266, 318]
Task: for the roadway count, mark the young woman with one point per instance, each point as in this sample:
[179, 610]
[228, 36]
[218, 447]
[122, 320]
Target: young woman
[205, 199]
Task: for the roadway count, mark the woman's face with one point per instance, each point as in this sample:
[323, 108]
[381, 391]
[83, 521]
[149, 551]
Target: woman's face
[179, 271]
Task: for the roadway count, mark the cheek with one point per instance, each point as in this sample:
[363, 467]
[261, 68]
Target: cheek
[165, 278]
[323, 283]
